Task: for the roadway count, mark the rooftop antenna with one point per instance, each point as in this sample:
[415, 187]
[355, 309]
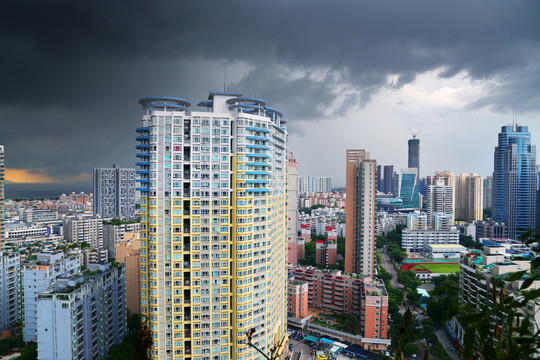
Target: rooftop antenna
[414, 133]
[224, 77]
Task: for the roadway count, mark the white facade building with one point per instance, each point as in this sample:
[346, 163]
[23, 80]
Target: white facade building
[414, 240]
[10, 283]
[38, 275]
[214, 226]
[84, 229]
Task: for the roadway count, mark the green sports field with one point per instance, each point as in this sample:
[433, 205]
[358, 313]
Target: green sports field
[439, 268]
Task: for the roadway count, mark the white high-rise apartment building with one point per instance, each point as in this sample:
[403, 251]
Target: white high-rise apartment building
[10, 283]
[292, 209]
[84, 229]
[439, 199]
[114, 193]
[213, 187]
[38, 275]
[314, 184]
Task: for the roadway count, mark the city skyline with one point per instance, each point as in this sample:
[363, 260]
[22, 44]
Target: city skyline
[70, 83]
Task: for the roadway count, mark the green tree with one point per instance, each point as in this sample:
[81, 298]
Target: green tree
[29, 352]
[341, 245]
[469, 243]
[309, 254]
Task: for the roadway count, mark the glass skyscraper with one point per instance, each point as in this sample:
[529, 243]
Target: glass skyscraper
[515, 180]
[213, 187]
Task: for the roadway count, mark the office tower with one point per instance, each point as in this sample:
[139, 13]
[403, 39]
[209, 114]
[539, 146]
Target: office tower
[387, 178]
[38, 275]
[379, 178]
[488, 192]
[214, 226]
[292, 209]
[439, 199]
[407, 185]
[414, 155]
[515, 180]
[82, 316]
[114, 193]
[10, 283]
[360, 213]
[491, 229]
[469, 197]
[2, 197]
[84, 229]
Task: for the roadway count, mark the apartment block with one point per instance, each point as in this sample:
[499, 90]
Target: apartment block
[298, 294]
[128, 252]
[84, 229]
[115, 234]
[114, 193]
[360, 212]
[10, 284]
[469, 197]
[39, 275]
[213, 189]
[82, 316]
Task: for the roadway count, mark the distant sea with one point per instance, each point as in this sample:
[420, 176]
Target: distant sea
[42, 191]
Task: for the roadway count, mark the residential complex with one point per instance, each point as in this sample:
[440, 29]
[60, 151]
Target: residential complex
[292, 211]
[482, 282]
[79, 229]
[114, 193]
[414, 240]
[361, 297]
[515, 180]
[469, 196]
[82, 316]
[39, 275]
[314, 184]
[128, 252]
[360, 213]
[213, 188]
[10, 283]
[439, 199]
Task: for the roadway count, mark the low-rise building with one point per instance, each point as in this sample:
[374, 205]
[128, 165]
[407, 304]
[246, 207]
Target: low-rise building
[414, 240]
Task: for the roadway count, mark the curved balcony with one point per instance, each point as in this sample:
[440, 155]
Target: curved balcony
[142, 155]
[142, 163]
[142, 180]
[143, 146]
[143, 171]
[142, 137]
[142, 129]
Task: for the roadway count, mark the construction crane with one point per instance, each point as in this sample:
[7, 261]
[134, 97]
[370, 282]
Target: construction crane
[414, 133]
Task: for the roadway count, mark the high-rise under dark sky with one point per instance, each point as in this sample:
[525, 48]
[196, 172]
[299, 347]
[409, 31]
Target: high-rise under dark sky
[414, 154]
[514, 180]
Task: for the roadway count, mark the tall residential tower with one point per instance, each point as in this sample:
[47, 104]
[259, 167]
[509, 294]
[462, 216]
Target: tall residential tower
[213, 187]
[114, 193]
[361, 189]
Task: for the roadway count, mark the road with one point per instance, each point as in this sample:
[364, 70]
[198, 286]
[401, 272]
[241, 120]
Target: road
[387, 264]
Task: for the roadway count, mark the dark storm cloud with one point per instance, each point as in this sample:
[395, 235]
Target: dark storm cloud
[72, 71]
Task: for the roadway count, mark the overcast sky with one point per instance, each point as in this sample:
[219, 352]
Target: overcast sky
[346, 74]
